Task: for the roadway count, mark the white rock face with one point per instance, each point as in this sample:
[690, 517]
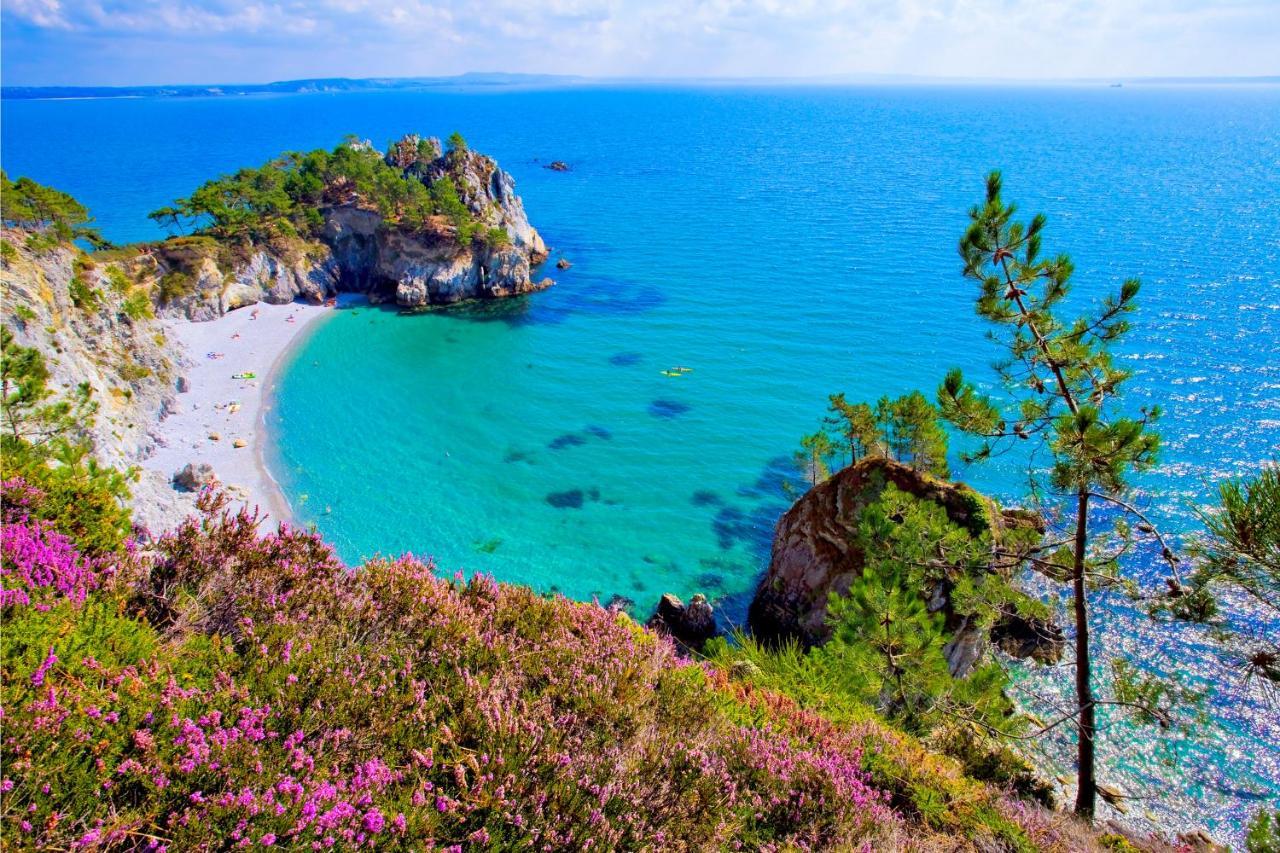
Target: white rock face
[357, 250]
[129, 364]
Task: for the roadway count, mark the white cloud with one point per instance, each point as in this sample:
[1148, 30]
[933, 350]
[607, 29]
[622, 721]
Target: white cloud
[1050, 38]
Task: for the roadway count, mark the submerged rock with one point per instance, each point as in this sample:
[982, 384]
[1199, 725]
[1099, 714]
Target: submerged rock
[558, 166]
[563, 264]
[690, 625]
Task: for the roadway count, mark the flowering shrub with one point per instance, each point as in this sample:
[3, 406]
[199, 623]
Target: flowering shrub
[37, 563]
[242, 690]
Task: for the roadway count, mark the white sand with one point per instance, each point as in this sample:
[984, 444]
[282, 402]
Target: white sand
[206, 409]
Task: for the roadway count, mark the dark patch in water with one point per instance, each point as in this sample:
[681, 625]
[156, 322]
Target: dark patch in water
[752, 528]
[705, 497]
[626, 359]
[488, 546]
[599, 432]
[513, 455]
[668, 409]
[571, 499]
[710, 580]
[569, 439]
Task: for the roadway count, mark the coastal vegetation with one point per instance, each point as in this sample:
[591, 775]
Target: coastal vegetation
[49, 216]
[413, 186]
[225, 686]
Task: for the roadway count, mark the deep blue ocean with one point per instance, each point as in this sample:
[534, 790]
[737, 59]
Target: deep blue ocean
[785, 243]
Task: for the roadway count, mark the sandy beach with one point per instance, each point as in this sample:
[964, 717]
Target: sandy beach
[219, 419]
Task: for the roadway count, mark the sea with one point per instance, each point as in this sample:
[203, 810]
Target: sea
[777, 245]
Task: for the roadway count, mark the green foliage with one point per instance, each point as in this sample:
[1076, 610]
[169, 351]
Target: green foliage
[456, 142]
[1264, 833]
[906, 429]
[497, 238]
[281, 199]
[1242, 553]
[8, 254]
[1061, 390]
[812, 458]
[886, 643]
[118, 280]
[175, 285]
[51, 214]
[131, 371]
[83, 295]
[137, 306]
[43, 443]
[24, 313]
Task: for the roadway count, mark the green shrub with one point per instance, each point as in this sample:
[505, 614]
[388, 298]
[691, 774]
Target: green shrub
[175, 285]
[118, 279]
[137, 306]
[83, 296]
[8, 253]
[1264, 833]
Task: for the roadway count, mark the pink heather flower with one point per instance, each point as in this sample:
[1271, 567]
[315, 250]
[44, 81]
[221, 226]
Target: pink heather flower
[37, 677]
[399, 824]
[374, 821]
[268, 839]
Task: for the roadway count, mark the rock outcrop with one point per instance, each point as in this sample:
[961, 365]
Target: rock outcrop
[356, 249]
[108, 340]
[194, 476]
[815, 554]
[690, 625]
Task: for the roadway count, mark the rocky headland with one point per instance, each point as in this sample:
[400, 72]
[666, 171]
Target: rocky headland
[356, 240]
[119, 319]
[816, 554]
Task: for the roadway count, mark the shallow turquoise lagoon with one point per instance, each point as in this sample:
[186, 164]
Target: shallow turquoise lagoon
[783, 243]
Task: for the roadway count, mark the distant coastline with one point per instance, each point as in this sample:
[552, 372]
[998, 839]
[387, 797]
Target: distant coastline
[490, 80]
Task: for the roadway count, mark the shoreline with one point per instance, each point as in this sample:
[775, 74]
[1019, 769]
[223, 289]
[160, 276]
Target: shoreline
[217, 411]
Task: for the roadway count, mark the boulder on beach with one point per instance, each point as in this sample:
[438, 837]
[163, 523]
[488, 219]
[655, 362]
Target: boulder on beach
[195, 476]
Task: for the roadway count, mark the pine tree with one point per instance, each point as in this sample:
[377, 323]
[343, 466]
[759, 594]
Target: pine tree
[1061, 388]
[888, 645]
[811, 459]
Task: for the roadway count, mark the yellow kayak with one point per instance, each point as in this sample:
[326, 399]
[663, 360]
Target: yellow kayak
[672, 373]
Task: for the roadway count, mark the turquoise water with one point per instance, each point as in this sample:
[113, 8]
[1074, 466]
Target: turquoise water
[785, 244]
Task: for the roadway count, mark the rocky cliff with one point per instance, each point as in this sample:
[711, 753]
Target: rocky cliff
[815, 554]
[94, 325]
[355, 246]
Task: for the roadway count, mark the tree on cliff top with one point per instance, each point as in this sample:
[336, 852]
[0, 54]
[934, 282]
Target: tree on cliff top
[1061, 392]
[36, 207]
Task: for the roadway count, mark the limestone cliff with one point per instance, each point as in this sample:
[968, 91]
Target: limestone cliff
[95, 325]
[355, 247]
[815, 554]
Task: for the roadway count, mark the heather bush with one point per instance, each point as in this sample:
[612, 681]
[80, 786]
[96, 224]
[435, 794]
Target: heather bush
[223, 688]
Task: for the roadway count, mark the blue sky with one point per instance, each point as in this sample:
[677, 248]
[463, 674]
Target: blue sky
[108, 42]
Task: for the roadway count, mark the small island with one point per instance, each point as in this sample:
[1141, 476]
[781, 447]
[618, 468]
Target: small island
[419, 224]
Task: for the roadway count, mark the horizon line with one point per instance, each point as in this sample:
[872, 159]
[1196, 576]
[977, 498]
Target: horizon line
[515, 78]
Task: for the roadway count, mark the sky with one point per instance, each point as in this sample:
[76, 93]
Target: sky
[140, 42]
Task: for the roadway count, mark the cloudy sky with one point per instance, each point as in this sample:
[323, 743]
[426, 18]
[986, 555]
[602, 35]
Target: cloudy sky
[104, 42]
